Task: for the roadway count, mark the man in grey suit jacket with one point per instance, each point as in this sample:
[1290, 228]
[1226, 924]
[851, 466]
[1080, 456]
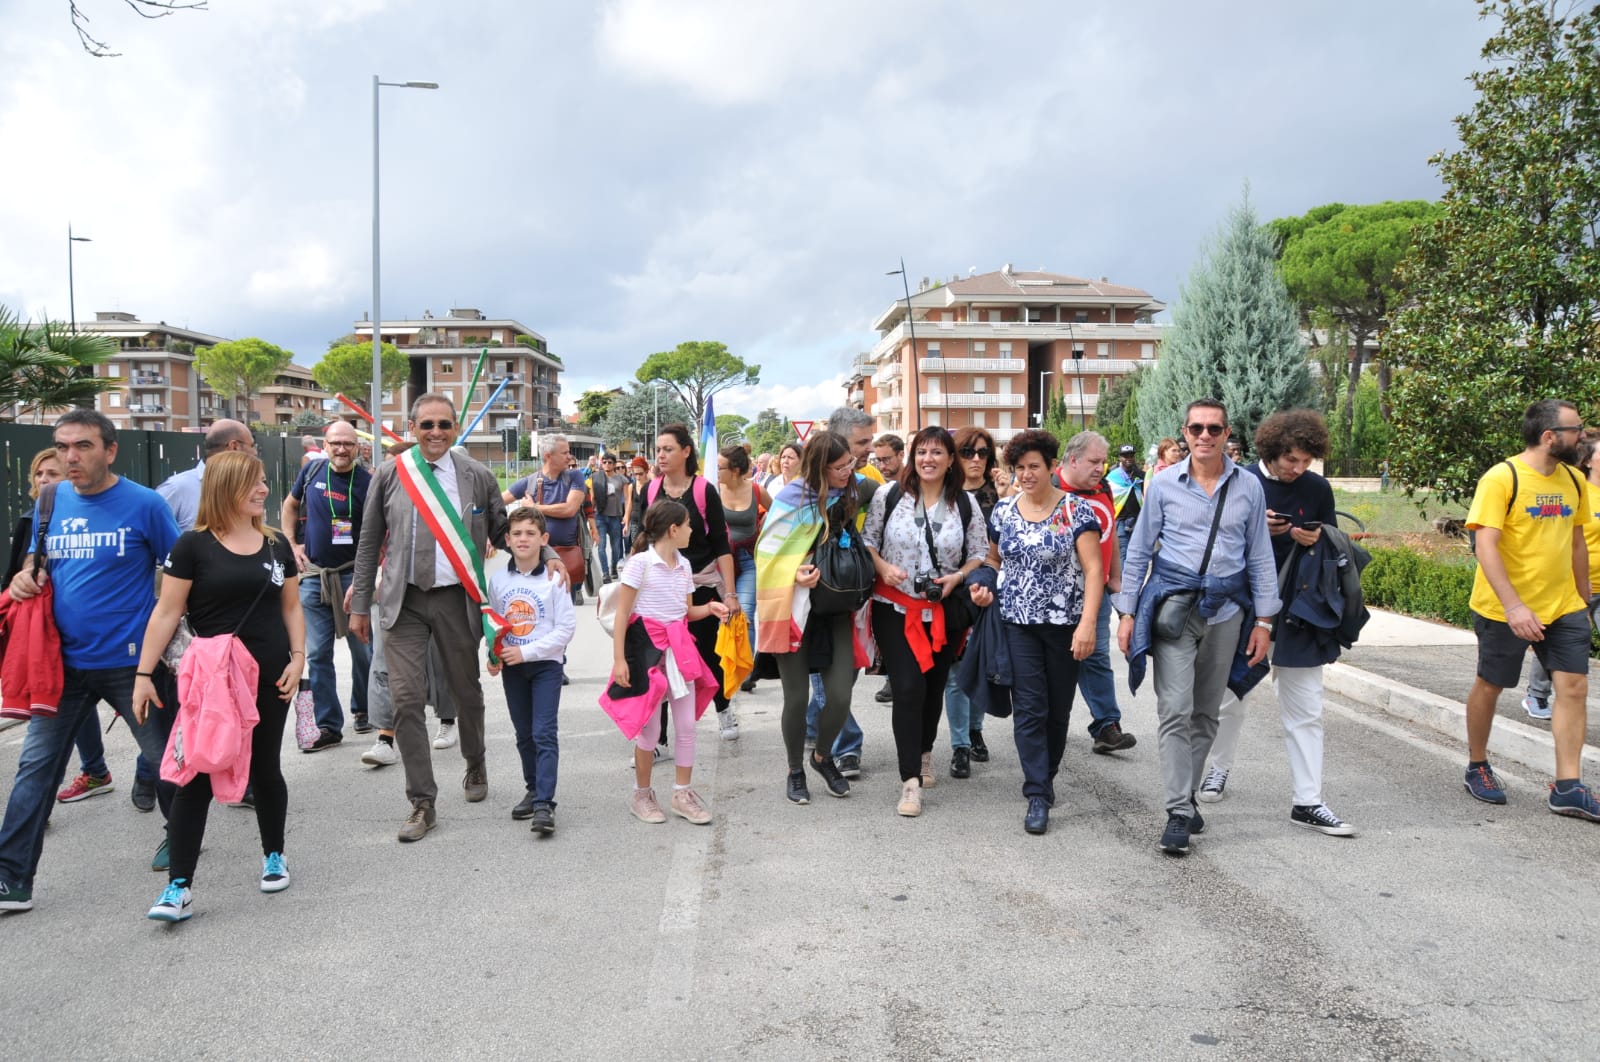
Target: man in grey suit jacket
[422, 600]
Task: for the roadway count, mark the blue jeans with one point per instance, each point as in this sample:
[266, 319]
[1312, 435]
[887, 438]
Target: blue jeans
[47, 749]
[744, 584]
[609, 548]
[92, 753]
[850, 739]
[319, 655]
[1124, 532]
[533, 694]
[958, 712]
[1095, 679]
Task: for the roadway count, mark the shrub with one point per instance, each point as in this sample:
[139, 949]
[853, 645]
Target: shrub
[1406, 582]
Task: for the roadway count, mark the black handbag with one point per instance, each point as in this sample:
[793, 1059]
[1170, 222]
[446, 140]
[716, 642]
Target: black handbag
[845, 574]
[1173, 611]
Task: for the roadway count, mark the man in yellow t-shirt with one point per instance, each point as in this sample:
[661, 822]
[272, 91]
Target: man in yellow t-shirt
[1532, 589]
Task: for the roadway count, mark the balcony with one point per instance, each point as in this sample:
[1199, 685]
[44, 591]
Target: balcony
[147, 379]
[506, 404]
[857, 396]
[994, 365]
[886, 374]
[1019, 331]
[514, 377]
[957, 400]
[146, 407]
[887, 405]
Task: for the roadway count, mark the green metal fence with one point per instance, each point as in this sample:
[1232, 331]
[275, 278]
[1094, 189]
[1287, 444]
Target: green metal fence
[145, 457]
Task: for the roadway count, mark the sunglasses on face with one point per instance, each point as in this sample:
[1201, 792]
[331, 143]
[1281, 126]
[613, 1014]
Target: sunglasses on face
[969, 452]
[441, 425]
[1212, 430]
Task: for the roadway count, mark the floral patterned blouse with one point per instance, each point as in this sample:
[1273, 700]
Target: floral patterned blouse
[1043, 578]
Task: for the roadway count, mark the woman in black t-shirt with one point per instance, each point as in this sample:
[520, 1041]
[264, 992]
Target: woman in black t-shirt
[231, 574]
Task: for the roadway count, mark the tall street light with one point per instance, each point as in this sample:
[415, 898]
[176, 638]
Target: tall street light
[376, 407]
[1043, 395]
[916, 388]
[72, 297]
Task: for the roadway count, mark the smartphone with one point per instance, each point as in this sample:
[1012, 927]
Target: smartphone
[1311, 525]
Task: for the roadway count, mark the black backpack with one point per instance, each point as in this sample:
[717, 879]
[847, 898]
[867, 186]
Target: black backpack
[845, 572]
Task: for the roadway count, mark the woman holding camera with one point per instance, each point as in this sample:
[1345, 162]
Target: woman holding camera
[925, 534]
[1049, 545]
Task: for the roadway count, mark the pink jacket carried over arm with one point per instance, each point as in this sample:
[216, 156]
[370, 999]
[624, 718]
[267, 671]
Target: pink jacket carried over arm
[216, 714]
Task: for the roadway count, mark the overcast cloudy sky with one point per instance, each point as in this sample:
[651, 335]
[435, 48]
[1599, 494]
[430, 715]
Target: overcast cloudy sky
[622, 176]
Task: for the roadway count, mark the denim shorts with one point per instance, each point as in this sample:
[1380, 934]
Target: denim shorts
[1501, 652]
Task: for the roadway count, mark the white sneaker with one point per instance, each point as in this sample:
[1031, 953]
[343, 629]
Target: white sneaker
[381, 754]
[175, 905]
[729, 724]
[1211, 788]
[446, 737]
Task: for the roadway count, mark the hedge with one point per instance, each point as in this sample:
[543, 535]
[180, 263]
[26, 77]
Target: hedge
[1407, 582]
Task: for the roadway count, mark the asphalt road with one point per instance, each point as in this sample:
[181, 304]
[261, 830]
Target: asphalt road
[1446, 929]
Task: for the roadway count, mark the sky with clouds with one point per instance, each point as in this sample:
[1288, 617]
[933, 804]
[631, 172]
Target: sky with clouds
[625, 175]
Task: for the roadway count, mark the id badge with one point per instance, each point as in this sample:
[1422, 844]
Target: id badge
[344, 532]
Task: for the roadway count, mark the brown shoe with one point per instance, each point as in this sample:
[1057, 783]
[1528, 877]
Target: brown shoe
[476, 782]
[910, 799]
[928, 778]
[419, 822]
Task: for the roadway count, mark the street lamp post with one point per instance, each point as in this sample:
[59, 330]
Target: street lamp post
[72, 296]
[1043, 397]
[376, 408]
[916, 388]
[1077, 376]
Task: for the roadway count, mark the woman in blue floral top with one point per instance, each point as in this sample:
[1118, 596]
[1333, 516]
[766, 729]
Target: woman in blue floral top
[1048, 546]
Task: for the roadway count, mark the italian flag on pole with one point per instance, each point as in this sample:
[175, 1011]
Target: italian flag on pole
[440, 517]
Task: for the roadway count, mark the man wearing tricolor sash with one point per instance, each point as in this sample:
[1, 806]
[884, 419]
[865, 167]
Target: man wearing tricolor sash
[437, 510]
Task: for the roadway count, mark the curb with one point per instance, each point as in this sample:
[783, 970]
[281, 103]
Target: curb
[1511, 740]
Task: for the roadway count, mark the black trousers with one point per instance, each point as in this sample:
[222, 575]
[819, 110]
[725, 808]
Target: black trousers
[918, 694]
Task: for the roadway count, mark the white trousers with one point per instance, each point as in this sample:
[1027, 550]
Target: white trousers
[1300, 711]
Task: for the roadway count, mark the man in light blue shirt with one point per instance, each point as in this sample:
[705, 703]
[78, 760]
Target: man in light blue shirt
[181, 490]
[1192, 662]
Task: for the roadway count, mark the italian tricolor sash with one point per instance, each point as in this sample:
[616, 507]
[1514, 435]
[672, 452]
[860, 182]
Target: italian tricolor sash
[440, 517]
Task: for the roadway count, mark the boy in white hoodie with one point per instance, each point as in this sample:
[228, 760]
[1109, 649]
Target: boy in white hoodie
[542, 623]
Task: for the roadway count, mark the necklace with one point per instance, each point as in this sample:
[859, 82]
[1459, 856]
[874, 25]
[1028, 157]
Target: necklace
[1040, 510]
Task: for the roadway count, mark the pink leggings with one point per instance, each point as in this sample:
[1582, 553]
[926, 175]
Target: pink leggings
[682, 726]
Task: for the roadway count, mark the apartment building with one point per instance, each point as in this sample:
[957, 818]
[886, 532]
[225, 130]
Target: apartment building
[443, 352]
[989, 348]
[158, 387]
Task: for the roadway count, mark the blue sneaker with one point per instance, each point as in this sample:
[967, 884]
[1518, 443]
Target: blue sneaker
[274, 873]
[15, 897]
[1579, 802]
[1484, 786]
[176, 903]
[1536, 707]
[1175, 838]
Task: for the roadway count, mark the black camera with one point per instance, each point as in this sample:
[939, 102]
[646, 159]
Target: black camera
[927, 585]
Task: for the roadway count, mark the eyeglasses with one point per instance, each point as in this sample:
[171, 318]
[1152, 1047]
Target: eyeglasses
[969, 452]
[341, 446]
[1212, 430]
[441, 425]
[1568, 427]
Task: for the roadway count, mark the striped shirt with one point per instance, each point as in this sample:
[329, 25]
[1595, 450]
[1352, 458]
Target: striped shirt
[663, 591]
[1177, 515]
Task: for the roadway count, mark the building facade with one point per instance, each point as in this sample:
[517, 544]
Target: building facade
[989, 349]
[158, 387]
[443, 352]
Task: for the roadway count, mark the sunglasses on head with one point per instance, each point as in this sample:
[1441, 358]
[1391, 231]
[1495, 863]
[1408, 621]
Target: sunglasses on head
[1212, 430]
[430, 425]
[969, 452]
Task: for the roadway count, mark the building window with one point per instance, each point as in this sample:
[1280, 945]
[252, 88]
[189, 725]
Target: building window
[1005, 420]
[1005, 350]
[1005, 385]
[979, 348]
[114, 399]
[447, 368]
[978, 384]
[933, 351]
[113, 370]
[1035, 316]
[1147, 351]
[1081, 317]
[994, 316]
[979, 418]
[1104, 350]
[933, 418]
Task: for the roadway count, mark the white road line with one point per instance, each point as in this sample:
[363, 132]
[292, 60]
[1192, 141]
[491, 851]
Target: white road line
[673, 965]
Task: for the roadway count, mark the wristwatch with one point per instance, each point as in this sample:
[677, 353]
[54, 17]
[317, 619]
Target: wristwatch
[1264, 624]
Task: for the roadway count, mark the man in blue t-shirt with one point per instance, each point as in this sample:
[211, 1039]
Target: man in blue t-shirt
[330, 494]
[105, 540]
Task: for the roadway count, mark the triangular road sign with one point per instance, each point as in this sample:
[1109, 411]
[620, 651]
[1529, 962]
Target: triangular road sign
[802, 428]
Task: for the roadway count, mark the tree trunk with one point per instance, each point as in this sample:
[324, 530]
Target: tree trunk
[1358, 354]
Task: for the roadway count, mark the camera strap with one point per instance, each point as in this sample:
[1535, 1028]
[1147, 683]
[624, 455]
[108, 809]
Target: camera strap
[927, 536]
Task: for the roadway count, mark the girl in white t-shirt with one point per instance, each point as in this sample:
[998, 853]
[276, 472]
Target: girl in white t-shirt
[655, 600]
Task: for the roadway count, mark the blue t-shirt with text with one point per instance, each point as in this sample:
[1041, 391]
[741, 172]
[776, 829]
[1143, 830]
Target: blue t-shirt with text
[326, 496]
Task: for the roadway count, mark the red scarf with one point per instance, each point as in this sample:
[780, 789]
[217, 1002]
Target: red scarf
[916, 637]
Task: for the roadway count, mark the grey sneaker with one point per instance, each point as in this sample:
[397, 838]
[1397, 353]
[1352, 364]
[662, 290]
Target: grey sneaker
[381, 754]
[419, 822]
[1211, 788]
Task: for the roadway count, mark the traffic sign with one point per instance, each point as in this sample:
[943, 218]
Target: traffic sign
[802, 428]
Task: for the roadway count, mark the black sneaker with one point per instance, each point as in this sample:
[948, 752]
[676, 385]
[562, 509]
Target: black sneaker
[1318, 817]
[525, 808]
[980, 751]
[1112, 739]
[143, 795]
[748, 685]
[327, 739]
[837, 786]
[961, 764]
[849, 765]
[359, 719]
[544, 818]
[884, 695]
[797, 791]
[1175, 838]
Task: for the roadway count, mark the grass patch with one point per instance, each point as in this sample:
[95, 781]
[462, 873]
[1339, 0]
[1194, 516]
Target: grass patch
[1393, 513]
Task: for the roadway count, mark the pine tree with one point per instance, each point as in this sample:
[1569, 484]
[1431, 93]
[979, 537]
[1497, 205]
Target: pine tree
[1235, 336]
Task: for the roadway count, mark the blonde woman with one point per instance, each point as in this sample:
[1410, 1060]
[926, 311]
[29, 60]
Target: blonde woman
[231, 574]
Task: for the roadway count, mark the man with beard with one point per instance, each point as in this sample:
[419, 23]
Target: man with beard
[1530, 589]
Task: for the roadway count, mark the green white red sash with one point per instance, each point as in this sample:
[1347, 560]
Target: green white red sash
[439, 515]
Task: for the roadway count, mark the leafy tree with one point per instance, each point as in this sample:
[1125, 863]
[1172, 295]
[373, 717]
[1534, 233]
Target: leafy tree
[592, 406]
[347, 369]
[1058, 420]
[695, 371]
[1503, 287]
[730, 428]
[1358, 437]
[1235, 336]
[309, 418]
[633, 417]
[1117, 417]
[239, 368]
[45, 366]
[1338, 263]
[767, 432]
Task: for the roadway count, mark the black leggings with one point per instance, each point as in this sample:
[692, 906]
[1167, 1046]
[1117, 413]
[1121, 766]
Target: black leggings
[705, 639]
[918, 694]
[186, 827]
[837, 682]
